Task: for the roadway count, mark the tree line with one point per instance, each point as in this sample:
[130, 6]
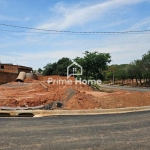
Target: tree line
[95, 66]
[138, 69]
[93, 63]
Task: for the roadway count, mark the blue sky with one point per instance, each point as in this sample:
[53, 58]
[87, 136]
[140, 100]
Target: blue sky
[35, 48]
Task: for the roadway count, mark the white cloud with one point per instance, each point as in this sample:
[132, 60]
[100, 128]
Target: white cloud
[116, 23]
[141, 24]
[123, 48]
[68, 16]
[38, 59]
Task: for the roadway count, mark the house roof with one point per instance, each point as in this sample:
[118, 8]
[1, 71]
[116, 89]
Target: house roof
[18, 66]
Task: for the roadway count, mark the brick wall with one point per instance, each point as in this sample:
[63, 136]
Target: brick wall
[14, 68]
[7, 77]
[9, 68]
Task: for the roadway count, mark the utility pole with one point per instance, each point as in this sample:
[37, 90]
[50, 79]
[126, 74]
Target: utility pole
[113, 79]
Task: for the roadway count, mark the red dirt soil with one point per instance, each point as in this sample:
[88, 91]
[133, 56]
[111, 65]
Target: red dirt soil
[31, 93]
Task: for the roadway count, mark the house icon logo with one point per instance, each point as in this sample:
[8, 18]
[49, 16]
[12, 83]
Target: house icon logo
[74, 69]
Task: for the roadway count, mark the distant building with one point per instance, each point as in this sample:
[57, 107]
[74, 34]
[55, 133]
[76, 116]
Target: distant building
[10, 68]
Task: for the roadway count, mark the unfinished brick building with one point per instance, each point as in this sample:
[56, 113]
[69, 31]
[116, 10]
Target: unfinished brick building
[9, 72]
[10, 68]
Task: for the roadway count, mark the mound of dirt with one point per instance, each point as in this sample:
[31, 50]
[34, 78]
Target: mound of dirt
[31, 93]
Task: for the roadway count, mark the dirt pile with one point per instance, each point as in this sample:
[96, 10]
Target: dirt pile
[31, 93]
[121, 99]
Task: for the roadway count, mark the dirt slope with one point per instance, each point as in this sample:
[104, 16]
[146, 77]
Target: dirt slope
[72, 96]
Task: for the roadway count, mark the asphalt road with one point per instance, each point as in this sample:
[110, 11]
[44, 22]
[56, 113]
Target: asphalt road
[128, 88]
[129, 131]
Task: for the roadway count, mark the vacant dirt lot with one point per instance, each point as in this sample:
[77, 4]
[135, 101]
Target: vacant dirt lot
[31, 93]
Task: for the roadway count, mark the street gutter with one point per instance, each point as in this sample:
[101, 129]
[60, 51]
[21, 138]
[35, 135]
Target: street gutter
[44, 113]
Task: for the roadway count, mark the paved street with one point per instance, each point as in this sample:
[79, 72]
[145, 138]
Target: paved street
[110, 132]
[128, 88]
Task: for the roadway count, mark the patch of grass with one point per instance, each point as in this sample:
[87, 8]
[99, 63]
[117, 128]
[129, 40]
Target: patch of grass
[106, 90]
[98, 88]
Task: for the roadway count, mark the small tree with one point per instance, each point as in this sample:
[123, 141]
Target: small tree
[40, 70]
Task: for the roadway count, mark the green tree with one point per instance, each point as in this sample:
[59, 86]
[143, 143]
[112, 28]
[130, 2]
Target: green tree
[62, 65]
[94, 63]
[145, 65]
[111, 72]
[57, 68]
[40, 70]
[134, 71]
[130, 71]
[109, 75]
[48, 69]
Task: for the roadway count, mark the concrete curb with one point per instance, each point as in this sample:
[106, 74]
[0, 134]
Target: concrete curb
[44, 113]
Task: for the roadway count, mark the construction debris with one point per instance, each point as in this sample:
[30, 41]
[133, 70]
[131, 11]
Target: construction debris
[53, 105]
[43, 86]
[22, 108]
[22, 76]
